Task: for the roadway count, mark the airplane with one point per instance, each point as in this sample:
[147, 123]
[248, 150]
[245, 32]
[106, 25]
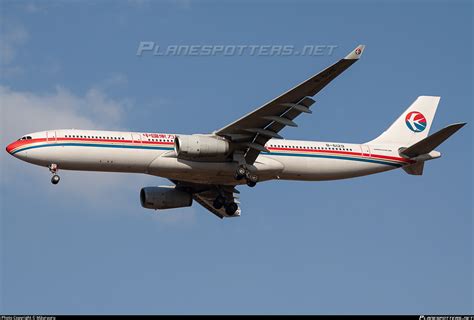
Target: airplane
[207, 168]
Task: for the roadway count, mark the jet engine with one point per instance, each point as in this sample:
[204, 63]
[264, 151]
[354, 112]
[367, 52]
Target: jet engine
[195, 147]
[164, 197]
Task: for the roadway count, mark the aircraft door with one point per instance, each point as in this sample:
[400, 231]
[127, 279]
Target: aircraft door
[136, 138]
[51, 136]
[365, 150]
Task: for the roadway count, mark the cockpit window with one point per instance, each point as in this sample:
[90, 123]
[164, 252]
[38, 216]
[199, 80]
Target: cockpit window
[25, 138]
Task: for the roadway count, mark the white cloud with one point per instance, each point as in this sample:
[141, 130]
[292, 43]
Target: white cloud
[114, 80]
[13, 37]
[25, 112]
[56, 110]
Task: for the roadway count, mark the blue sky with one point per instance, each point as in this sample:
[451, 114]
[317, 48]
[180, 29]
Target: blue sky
[388, 243]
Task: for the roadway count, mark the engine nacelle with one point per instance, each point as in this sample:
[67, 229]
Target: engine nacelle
[164, 197]
[201, 147]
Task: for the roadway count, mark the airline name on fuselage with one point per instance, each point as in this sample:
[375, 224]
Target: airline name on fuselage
[159, 135]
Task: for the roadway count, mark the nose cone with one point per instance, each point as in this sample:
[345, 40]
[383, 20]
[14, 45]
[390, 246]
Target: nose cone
[10, 147]
[17, 149]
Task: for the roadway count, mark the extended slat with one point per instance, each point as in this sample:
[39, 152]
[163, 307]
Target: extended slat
[284, 121]
[264, 132]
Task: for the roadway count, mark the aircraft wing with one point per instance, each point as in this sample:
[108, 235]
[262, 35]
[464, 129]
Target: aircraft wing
[251, 132]
[205, 194]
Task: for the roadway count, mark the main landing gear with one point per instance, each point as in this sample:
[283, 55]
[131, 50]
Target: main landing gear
[230, 207]
[243, 172]
[53, 168]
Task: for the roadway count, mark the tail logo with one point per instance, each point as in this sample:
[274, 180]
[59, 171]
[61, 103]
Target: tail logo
[415, 121]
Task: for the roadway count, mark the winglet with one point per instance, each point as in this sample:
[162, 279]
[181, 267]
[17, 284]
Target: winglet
[356, 53]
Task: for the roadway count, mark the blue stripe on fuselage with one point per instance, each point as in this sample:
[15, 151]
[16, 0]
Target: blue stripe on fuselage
[331, 157]
[94, 146]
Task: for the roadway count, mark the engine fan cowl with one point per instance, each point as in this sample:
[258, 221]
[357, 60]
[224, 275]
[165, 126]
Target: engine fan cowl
[201, 147]
[164, 197]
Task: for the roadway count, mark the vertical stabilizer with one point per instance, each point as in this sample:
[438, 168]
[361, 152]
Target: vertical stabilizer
[413, 125]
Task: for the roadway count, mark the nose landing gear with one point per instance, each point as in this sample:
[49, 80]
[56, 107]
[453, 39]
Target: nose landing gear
[53, 168]
[55, 179]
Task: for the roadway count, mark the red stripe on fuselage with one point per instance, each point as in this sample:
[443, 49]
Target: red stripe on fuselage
[111, 140]
[20, 143]
[343, 153]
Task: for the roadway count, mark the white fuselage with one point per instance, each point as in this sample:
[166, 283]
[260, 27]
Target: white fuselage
[154, 154]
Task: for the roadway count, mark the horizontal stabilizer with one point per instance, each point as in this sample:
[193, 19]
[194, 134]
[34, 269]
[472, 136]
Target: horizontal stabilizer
[429, 143]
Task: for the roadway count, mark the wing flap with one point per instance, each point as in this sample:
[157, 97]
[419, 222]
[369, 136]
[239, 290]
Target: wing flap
[205, 194]
[206, 199]
[208, 206]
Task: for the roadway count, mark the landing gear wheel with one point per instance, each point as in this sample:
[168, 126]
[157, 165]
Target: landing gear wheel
[231, 208]
[251, 184]
[238, 176]
[240, 173]
[53, 168]
[218, 203]
[55, 179]
[252, 179]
